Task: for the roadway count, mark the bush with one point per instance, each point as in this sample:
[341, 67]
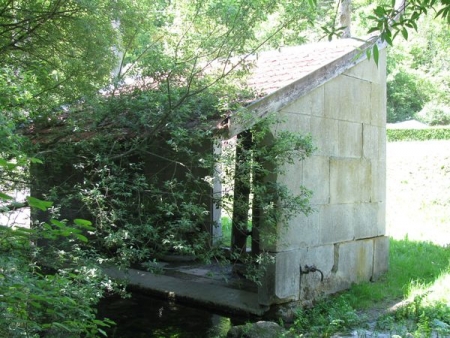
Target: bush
[394, 135]
[56, 301]
[406, 95]
[434, 113]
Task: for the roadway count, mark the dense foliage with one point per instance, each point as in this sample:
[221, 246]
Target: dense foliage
[418, 64]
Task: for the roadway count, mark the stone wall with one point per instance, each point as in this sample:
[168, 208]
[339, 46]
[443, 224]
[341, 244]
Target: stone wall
[345, 236]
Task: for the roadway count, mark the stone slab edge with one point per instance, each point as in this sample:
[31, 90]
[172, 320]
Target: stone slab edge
[216, 297]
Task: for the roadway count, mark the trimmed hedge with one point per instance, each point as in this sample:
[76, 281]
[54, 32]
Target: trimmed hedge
[394, 135]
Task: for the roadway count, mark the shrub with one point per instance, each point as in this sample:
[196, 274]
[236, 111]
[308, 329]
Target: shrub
[394, 135]
[56, 301]
[434, 113]
[406, 95]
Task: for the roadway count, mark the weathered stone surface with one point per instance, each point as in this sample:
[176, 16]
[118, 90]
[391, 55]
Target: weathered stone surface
[280, 284]
[350, 180]
[294, 122]
[367, 71]
[378, 168]
[355, 261]
[350, 139]
[311, 104]
[336, 223]
[370, 141]
[293, 176]
[378, 105]
[351, 97]
[381, 257]
[316, 178]
[365, 220]
[302, 231]
[324, 132]
[322, 257]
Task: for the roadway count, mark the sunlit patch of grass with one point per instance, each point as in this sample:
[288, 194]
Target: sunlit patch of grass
[438, 291]
[411, 263]
[425, 310]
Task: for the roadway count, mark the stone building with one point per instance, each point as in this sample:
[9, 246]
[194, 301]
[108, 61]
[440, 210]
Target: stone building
[332, 91]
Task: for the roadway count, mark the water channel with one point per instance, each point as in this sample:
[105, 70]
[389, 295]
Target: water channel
[143, 316]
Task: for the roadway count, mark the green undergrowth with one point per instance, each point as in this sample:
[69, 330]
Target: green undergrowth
[413, 297]
[395, 135]
[226, 232]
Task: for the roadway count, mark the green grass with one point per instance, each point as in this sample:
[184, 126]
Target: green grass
[411, 264]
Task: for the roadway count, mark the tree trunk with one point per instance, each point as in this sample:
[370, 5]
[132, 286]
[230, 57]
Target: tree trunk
[345, 17]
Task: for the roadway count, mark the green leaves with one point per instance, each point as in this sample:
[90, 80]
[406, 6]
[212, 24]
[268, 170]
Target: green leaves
[376, 53]
[390, 21]
[5, 197]
[39, 204]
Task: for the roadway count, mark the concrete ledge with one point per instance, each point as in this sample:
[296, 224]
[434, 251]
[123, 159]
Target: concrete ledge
[213, 296]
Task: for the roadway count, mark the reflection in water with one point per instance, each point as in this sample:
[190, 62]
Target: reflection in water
[143, 316]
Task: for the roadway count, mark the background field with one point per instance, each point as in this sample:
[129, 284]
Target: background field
[418, 191]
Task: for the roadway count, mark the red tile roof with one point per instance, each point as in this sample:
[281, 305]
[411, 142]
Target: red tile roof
[274, 70]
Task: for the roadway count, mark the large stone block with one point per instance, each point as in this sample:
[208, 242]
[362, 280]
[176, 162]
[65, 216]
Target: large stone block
[325, 136]
[381, 256]
[302, 231]
[365, 220]
[293, 122]
[350, 139]
[336, 223]
[366, 70]
[378, 168]
[370, 142]
[381, 218]
[346, 222]
[355, 261]
[292, 176]
[378, 105]
[350, 180]
[316, 177]
[346, 98]
[310, 104]
[281, 281]
[322, 257]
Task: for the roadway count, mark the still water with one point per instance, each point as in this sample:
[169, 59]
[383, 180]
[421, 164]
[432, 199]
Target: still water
[143, 316]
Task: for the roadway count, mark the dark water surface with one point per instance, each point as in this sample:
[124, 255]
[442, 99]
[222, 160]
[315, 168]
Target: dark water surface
[143, 316]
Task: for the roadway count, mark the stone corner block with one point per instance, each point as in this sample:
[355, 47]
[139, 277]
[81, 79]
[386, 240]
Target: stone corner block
[381, 256]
